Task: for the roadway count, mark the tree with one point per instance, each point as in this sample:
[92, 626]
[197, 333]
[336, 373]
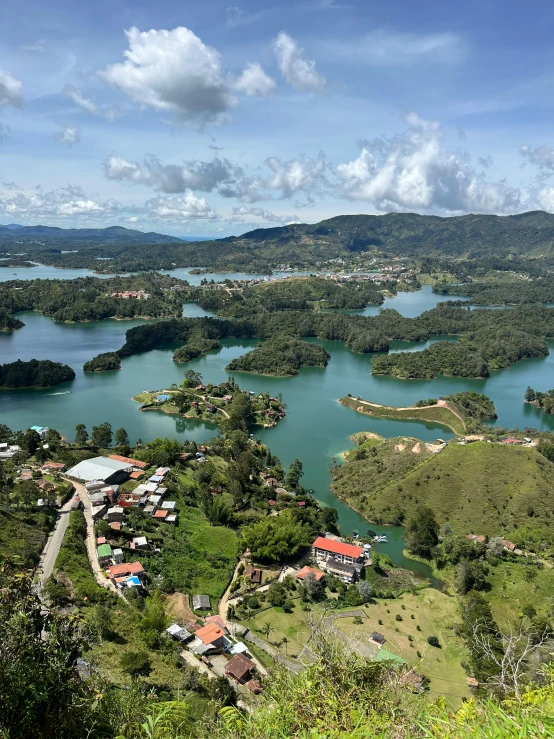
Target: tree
[276, 538]
[102, 435]
[192, 379]
[530, 395]
[160, 452]
[135, 663]
[434, 641]
[315, 589]
[81, 434]
[276, 594]
[352, 596]
[30, 441]
[471, 576]
[294, 474]
[121, 438]
[365, 590]
[496, 546]
[266, 629]
[422, 533]
[329, 518]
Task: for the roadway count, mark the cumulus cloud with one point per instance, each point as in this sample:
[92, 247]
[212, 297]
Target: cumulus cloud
[266, 216]
[218, 174]
[254, 81]
[109, 112]
[180, 207]
[296, 69]
[67, 201]
[414, 172]
[11, 90]
[541, 157]
[302, 174]
[173, 72]
[68, 135]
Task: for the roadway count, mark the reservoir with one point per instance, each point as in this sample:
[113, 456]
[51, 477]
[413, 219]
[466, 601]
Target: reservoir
[316, 427]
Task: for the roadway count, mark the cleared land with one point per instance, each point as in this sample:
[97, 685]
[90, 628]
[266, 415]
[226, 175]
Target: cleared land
[440, 413]
[479, 488]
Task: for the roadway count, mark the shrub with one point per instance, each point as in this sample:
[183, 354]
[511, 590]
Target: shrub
[398, 617]
[434, 641]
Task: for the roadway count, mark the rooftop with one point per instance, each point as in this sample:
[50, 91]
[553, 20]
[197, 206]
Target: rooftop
[318, 574]
[129, 460]
[210, 633]
[132, 568]
[338, 547]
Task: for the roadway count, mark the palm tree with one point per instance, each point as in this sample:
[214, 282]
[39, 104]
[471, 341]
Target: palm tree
[266, 629]
[285, 641]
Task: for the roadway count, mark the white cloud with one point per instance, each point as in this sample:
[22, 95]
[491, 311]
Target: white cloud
[298, 71]
[180, 207]
[173, 72]
[254, 81]
[67, 201]
[541, 157]
[414, 172]
[110, 112]
[218, 174]
[265, 216]
[68, 135]
[303, 174]
[10, 90]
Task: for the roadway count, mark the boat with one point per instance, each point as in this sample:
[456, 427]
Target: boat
[371, 533]
[355, 534]
[381, 539]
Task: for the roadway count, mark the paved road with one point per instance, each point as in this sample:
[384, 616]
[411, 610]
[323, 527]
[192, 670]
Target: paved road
[53, 543]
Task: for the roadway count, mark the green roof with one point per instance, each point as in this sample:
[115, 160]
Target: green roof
[104, 550]
[384, 654]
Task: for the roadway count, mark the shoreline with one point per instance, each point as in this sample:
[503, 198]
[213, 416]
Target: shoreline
[399, 413]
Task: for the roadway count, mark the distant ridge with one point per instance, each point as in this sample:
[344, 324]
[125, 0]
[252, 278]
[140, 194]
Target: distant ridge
[111, 234]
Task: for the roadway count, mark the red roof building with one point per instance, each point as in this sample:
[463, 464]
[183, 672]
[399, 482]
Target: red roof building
[240, 668]
[125, 569]
[211, 634]
[218, 621]
[323, 548]
[318, 574]
[161, 514]
[128, 460]
[480, 538]
[271, 503]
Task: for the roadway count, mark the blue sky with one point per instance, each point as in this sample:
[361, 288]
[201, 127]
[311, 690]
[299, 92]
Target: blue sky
[212, 118]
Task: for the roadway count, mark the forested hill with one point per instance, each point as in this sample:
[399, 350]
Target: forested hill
[114, 234]
[413, 234]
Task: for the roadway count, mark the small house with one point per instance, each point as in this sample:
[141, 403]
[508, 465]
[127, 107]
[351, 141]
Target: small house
[201, 603]
[162, 471]
[169, 505]
[240, 669]
[116, 514]
[139, 542]
[508, 545]
[377, 639]
[254, 574]
[218, 621]
[318, 574]
[178, 632]
[104, 552]
[117, 556]
[160, 515]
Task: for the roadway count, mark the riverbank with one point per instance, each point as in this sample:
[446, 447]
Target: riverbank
[440, 412]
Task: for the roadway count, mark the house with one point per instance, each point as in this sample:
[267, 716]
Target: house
[163, 398]
[348, 573]
[136, 475]
[116, 514]
[318, 574]
[271, 503]
[377, 639]
[139, 542]
[126, 569]
[162, 471]
[98, 510]
[115, 525]
[240, 669]
[511, 441]
[100, 540]
[53, 466]
[508, 545]
[8, 451]
[172, 518]
[150, 487]
[201, 603]
[101, 469]
[212, 635]
[325, 549]
[301, 503]
[160, 515]
[155, 478]
[41, 431]
[130, 500]
[169, 505]
[118, 556]
[412, 681]
[178, 632]
[480, 539]
[254, 574]
[104, 552]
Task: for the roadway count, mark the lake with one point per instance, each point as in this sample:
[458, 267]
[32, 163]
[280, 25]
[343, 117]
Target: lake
[316, 428]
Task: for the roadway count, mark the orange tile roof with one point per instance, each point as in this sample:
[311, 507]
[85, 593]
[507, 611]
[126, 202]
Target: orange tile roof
[131, 568]
[337, 547]
[210, 633]
[115, 525]
[136, 475]
[161, 514]
[301, 574]
[134, 462]
[216, 620]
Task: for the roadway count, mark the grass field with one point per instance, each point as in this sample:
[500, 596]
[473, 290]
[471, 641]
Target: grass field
[511, 591]
[435, 414]
[435, 614]
[293, 626]
[479, 488]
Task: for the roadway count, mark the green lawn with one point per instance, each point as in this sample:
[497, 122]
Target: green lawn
[511, 591]
[436, 614]
[293, 626]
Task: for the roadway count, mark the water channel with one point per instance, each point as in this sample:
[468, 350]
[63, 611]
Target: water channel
[316, 427]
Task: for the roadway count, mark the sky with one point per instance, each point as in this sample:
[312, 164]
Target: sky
[213, 118]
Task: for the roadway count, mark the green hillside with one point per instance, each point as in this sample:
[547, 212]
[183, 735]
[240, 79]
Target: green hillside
[23, 535]
[481, 488]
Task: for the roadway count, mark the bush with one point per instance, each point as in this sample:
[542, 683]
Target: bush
[398, 617]
[135, 663]
[434, 641]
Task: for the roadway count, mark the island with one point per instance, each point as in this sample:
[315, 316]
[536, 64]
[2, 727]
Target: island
[34, 373]
[542, 400]
[281, 356]
[103, 363]
[196, 346]
[460, 413]
[224, 405]
[7, 323]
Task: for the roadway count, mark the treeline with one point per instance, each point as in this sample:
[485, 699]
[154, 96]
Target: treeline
[103, 362]
[509, 292]
[300, 294]
[89, 298]
[281, 355]
[490, 339]
[34, 373]
[544, 401]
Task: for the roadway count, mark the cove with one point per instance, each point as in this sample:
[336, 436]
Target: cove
[316, 427]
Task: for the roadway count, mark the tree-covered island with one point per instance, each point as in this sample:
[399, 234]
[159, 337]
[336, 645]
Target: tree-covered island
[103, 363]
[281, 356]
[34, 373]
[7, 323]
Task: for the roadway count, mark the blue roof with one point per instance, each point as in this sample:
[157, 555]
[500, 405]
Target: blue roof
[37, 428]
[164, 396]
